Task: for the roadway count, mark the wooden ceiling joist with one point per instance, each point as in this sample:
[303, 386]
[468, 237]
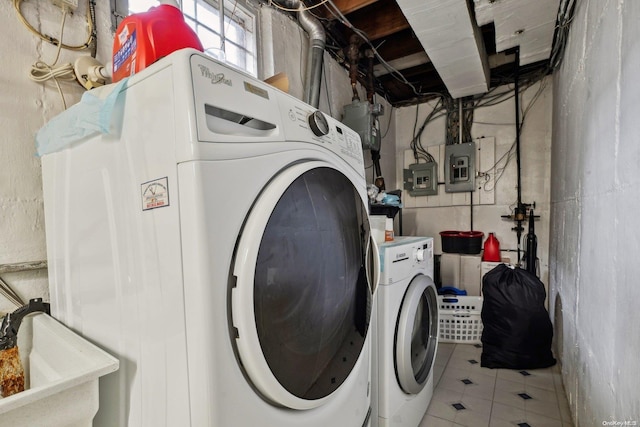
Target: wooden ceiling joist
[379, 20]
[344, 6]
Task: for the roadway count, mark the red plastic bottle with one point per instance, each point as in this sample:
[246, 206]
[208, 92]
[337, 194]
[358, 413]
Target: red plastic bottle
[491, 249]
[143, 38]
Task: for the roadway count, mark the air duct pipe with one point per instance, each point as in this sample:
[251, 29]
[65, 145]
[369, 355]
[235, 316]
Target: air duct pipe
[313, 27]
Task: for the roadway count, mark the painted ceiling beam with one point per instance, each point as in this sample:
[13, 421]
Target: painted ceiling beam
[453, 41]
[525, 23]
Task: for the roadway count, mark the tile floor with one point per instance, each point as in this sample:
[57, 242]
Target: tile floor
[466, 394]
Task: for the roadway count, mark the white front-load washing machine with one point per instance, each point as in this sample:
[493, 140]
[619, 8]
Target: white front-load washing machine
[405, 333]
[217, 242]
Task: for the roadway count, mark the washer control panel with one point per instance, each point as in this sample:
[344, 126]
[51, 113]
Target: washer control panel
[404, 257]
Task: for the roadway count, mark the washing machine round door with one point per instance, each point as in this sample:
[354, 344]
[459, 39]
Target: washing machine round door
[302, 301]
[416, 334]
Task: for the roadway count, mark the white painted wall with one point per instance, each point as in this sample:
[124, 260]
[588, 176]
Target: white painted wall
[499, 122]
[594, 206]
[25, 107]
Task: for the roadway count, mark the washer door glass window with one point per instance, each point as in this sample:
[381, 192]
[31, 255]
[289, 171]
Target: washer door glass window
[311, 298]
[417, 334]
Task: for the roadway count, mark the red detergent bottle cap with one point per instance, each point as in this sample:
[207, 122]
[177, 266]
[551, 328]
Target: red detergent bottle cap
[491, 249]
[143, 38]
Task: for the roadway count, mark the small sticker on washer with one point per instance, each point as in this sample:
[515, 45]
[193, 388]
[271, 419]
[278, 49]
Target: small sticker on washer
[155, 194]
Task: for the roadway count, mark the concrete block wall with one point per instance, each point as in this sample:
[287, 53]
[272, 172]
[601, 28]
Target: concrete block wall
[25, 106]
[594, 248]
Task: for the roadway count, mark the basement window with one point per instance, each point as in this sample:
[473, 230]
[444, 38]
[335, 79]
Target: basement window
[203, 17]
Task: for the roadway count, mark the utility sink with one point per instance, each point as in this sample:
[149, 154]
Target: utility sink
[61, 377]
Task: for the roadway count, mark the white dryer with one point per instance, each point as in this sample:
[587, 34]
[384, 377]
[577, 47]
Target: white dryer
[405, 333]
[217, 242]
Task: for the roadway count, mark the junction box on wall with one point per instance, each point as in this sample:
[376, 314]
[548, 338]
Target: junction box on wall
[460, 170]
[362, 116]
[421, 179]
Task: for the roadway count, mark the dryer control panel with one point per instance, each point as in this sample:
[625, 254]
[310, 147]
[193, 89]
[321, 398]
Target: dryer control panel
[233, 107]
[304, 124]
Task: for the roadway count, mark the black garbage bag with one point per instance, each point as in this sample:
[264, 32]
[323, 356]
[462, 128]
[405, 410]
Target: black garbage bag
[517, 331]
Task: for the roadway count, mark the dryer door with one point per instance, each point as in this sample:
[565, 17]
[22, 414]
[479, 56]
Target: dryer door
[416, 334]
[302, 302]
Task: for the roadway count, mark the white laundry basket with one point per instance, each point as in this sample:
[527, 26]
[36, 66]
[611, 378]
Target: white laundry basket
[460, 320]
[61, 377]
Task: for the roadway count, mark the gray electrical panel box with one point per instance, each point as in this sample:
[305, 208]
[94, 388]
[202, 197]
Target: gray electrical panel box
[362, 117]
[421, 179]
[460, 169]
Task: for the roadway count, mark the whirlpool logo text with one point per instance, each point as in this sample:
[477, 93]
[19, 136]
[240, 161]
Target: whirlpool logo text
[215, 78]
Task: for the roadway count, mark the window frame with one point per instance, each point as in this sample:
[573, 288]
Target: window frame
[241, 12]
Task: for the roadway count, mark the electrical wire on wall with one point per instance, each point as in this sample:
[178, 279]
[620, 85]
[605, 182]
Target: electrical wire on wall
[458, 110]
[42, 71]
[419, 152]
[492, 175]
[447, 106]
[566, 13]
[496, 95]
[384, 135]
[91, 37]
